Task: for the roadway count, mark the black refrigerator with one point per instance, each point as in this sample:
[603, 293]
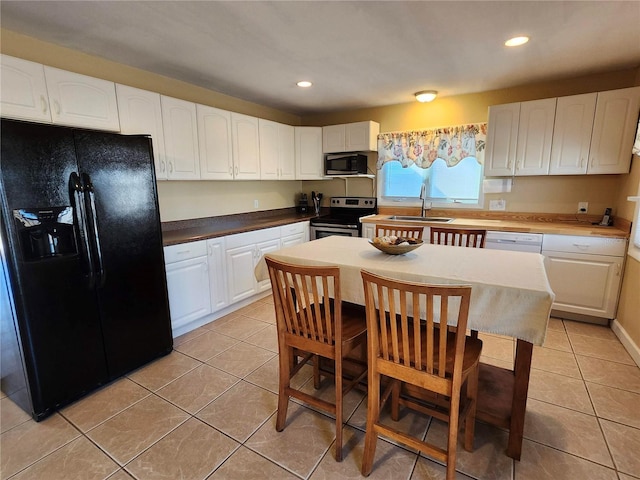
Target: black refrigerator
[83, 286]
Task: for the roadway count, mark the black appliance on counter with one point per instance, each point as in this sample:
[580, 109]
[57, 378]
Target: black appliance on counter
[82, 280]
[343, 217]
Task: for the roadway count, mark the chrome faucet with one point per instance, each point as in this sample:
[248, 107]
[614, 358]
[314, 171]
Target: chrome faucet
[423, 197]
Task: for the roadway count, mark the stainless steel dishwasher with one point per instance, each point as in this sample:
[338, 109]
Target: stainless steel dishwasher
[515, 241]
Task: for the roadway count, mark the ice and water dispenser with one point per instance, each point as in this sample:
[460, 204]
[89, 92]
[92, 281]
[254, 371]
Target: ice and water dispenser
[45, 232]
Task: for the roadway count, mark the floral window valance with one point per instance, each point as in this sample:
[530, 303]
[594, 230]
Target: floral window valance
[451, 144]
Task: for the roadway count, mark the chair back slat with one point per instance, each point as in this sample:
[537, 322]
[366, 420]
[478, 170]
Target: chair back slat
[458, 237]
[408, 322]
[307, 299]
[403, 231]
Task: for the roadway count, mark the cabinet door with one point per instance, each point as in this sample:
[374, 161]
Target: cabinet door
[614, 128]
[584, 284]
[535, 133]
[240, 279]
[140, 112]
[572, 134]
[24, 90]
[263, 248]
[502, 137]
[286, 152]
[188, 287]
[214, 141]
[368, 231]
[217, 273]
[333, 138]
[309, 159]
[81, 101]
[246, 152]
[181, 139]
[269, 146]
[361, 136]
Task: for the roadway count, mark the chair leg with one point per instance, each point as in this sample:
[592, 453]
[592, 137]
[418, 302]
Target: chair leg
[284, 380]
[338, 387]
[470, 421]
[373, 415]
[452, 442]
[316, 372]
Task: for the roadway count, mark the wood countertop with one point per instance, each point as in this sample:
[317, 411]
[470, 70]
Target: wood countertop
[561, 224]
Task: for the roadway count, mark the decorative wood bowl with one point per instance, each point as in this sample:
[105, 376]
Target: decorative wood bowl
[397, 249]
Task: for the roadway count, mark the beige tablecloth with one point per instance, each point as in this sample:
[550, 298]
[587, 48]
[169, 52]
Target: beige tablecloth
[510, 295]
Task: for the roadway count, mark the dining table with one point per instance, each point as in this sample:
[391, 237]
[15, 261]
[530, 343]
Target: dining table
[510, 296]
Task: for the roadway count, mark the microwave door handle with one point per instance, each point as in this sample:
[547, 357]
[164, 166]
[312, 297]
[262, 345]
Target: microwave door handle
[76, 193]
[91, 201]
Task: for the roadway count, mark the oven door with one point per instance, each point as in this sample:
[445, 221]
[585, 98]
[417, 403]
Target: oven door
[317, 231]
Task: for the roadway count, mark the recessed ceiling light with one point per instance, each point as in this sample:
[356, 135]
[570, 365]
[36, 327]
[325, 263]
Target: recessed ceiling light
[516, 41]
[304, 84]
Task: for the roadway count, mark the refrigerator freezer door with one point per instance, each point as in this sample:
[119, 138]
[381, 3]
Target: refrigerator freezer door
[57, 322]
[132, 292]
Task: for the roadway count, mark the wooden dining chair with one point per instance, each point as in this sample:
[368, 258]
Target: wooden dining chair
[403, 231]
[407, 347]
[458, 237]
[313, 322]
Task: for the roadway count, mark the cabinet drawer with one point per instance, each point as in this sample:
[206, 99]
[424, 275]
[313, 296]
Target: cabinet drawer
[185, 251]
[292, 228]
[249, 238]
[588, 245]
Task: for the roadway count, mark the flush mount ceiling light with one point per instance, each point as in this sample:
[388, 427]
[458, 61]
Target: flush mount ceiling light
[426, 95]
[516, 41]
[304, 84]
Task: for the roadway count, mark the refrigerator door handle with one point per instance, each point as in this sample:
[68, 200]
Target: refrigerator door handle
[91, 202]
[76, 192]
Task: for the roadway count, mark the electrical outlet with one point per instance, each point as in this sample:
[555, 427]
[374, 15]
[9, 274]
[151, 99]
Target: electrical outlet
[255, 204]
[583, 207]
[497, 204]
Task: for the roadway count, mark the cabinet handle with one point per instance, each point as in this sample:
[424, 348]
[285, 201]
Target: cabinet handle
[57, 106]
[163, 167]
[182, 252]
[593, 161]
[236, 170]
[618, 269]
[581, 245]
[230, 171]
[581, 162]
[43, 102]
[170, 167]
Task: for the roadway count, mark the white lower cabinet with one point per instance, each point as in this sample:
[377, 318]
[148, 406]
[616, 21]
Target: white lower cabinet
[294, 234]
[217, 273]
[585, 273]
[187, 282]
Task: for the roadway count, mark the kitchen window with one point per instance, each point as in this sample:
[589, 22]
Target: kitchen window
[444, 166]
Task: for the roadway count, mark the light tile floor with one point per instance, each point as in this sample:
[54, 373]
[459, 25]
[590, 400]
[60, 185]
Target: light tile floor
[207, 411]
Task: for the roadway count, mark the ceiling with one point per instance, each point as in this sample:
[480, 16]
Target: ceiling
[357, 53]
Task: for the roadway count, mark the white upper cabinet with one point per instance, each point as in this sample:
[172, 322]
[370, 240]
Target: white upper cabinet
[502, 138]
[535, 133]
[140, 112]
[309, 158]
[246, 147]
[214, 136]
[614, 127]
[572, 134]
[81, 101]
[179, 122]
[350, 137]
[277, 151]
[24, 90]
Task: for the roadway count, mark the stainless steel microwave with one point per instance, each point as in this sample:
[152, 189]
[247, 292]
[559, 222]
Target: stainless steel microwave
[345, 164]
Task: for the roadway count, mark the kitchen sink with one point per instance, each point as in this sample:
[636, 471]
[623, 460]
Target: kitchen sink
[421, 219]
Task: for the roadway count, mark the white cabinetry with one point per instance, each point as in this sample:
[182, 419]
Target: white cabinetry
[572, 134]
[246, 150]
[181, 139]
[614, 127]
[24, 90]
[140, 112]
[217, 273]
[214, 140]
[585, 273]
[81, 101]
[243, 252]
[502, 138]
[277, 151]
[294, 234]
[187, 282]
[350, 137]
[309, 159]
[519, 138]
[369, 230]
